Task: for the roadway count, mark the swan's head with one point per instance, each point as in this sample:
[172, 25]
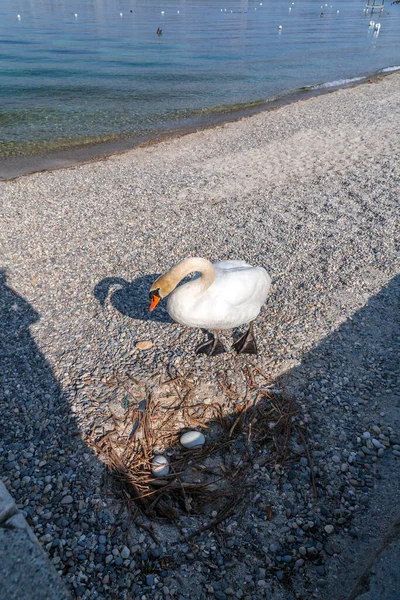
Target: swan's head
[163, 286]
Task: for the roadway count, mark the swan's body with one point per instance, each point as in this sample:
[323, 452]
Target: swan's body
[234, 297]
[227, 294]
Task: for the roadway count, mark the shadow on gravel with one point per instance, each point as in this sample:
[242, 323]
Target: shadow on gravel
[131, 298]
[361, 357]
[350, 382]
[43, 460]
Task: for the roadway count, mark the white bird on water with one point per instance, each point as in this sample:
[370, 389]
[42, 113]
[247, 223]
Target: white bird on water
[19, 17]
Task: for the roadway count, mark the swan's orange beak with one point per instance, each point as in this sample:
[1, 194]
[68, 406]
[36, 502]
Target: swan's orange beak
[154, 301]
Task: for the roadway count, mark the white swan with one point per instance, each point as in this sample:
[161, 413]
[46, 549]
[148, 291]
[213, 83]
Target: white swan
[227, 294]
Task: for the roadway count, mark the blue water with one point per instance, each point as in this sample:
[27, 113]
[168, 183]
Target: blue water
[68, 80]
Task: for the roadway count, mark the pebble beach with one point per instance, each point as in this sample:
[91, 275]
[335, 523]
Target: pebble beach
[310, 191]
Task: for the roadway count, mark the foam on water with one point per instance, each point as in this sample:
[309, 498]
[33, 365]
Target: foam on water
[390, 69]
[338, 83]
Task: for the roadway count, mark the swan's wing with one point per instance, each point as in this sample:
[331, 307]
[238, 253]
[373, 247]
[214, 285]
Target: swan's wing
[230, 264]
[242, 285]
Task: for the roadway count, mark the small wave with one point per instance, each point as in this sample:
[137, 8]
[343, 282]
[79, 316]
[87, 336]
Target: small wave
[390, 69]
[338, 83]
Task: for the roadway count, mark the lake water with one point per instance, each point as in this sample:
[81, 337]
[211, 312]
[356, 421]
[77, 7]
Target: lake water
[79, 72]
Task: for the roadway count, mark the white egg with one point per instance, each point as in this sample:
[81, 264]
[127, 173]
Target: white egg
[160, 466]
[192, 439]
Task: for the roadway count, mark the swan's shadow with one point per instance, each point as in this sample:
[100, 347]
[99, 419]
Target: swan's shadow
[131, 298]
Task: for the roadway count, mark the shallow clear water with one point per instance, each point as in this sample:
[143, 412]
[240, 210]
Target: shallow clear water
[69, 80]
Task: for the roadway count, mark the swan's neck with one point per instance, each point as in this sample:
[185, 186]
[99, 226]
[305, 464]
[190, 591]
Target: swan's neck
[191, 265]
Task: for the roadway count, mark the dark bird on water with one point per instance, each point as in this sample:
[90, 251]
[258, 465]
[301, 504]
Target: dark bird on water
[159, 31]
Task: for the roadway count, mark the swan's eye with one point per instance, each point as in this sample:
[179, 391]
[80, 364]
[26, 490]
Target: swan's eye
[155, 298]
[154, 293]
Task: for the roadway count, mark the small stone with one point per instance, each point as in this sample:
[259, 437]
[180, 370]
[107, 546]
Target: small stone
[67, 500]
[299, 563]
[150, 580]
[144, 345]
[210, 589]
[366, 435]
[125, 552]
[287, 558]
[376, 429]
[344, 467]
[329, 529]
[376, 443]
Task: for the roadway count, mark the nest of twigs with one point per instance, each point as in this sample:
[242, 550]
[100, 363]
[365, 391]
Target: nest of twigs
[238, 426]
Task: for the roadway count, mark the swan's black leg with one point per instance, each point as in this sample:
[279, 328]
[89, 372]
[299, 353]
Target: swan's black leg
[247, 343]
[211, 347]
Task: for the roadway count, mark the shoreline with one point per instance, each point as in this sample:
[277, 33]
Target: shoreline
[20, 166]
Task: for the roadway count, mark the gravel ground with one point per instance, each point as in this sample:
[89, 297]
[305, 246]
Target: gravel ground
[310, 191]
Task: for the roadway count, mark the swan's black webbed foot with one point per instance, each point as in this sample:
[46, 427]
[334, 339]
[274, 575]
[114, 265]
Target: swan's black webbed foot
[212, 347]
[247, 343]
